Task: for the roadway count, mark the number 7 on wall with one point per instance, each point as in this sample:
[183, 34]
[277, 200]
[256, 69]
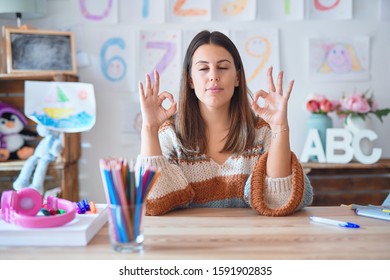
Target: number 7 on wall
[170, 51]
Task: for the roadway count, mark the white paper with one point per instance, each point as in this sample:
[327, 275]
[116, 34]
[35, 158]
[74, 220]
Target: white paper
[75, 233]
[142, 11]
[329, 9]
[161, 50]
[189, 10]
[237, 10]
[111, 54]
[339, 59]
[281, 10]
[259, 49]
[61, 106]
[97, 11]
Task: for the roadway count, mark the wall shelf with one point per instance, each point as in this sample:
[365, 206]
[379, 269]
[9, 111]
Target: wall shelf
[354, 182]
[64, 172]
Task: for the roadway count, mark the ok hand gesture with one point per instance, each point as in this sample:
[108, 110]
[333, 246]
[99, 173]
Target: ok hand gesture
[274, 111]
[153, 113]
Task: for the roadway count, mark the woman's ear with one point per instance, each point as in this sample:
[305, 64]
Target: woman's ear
[191, 83]
[237, 83]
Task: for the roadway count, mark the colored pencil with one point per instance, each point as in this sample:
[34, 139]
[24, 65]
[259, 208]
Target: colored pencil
[123, 189]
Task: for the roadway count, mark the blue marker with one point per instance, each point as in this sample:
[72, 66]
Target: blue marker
[334, 222]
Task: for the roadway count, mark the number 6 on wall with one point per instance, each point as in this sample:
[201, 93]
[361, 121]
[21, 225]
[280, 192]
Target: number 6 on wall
[114, 69]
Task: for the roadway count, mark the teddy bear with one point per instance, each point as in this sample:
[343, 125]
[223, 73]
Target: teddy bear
[13, 135]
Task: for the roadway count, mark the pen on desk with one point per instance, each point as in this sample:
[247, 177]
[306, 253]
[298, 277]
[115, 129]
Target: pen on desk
[354, 206]
[333, 222]
[369, 206]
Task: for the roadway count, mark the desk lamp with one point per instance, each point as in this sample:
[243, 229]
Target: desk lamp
[28, 9]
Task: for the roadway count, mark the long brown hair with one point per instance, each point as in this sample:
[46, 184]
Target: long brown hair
[189, 123]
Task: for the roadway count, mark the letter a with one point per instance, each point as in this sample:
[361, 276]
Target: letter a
[313, 147]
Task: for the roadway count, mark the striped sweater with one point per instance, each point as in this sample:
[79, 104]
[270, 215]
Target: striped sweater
[195, 180]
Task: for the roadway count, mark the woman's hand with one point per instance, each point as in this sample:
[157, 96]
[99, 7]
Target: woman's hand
[153, 113]
[274, 111]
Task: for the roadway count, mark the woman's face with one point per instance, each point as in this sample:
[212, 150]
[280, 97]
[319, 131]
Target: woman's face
[213, 76]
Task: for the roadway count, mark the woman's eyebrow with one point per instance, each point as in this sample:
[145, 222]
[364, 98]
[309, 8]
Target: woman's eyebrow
[206, 62]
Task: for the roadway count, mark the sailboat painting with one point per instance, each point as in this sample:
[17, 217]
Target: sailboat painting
[61, 106]
[57, 101]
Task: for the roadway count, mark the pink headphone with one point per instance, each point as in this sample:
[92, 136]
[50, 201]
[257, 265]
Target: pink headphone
[21, 208]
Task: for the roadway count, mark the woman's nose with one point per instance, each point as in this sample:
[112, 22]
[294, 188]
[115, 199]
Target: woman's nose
[214, 75]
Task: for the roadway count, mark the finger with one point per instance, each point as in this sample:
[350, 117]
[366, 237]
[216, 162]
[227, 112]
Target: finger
[289, 89]
[166, 95]
[271, 85]
[279, 85]
[141, 90]
[261, 93]
[147, 84]
[156, 86]
[257, 108]
[172, 110]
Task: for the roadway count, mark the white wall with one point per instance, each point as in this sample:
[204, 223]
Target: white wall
[107, 139]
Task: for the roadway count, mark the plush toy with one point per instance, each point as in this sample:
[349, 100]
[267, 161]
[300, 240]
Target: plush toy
[13, 135]
[48, 149]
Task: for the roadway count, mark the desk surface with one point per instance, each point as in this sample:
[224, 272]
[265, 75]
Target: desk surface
[236, 234]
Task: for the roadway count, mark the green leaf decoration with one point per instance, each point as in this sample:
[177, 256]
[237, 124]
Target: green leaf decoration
[382, 113]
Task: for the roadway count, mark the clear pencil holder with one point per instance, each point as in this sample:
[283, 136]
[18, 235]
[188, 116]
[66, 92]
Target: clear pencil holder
[126, 227]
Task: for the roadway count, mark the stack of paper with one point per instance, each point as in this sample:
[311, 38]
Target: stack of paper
[76, 233]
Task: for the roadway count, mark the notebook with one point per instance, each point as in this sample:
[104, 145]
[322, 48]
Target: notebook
[78, 232]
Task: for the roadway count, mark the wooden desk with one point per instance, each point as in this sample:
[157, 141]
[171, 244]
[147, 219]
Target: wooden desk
[349, 183]
[236, 234]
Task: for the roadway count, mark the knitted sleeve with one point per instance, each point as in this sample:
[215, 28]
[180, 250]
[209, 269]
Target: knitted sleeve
[172, 189]
[278, 196]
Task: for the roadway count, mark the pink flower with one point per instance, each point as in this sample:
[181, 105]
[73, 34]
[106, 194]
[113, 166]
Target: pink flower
[319, 104]
[355, 103]
[359, 104]
[326, 105]
[313, 106]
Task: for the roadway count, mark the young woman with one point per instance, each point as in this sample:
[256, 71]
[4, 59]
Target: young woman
[220, 149]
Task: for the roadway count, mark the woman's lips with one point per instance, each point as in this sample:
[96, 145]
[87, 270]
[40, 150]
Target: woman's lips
[214, 89]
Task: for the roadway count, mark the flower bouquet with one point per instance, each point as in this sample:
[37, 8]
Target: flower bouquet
[319, 104]
[359, 104]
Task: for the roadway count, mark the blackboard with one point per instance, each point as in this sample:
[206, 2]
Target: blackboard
[33, 50]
